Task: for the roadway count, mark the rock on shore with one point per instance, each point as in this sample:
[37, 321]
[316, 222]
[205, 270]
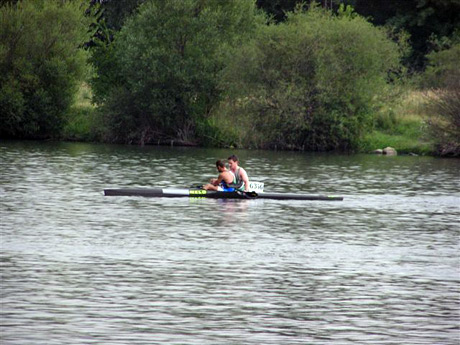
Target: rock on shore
[389, 151]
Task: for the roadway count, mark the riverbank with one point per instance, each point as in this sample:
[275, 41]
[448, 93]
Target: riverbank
[403, 127]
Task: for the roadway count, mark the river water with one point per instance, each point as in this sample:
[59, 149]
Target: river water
[380, 267]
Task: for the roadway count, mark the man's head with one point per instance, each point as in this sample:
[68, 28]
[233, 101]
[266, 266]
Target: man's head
[220, 165]
[233, 162]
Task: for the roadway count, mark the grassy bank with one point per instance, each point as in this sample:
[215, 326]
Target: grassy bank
[80, 122]
[402, 126]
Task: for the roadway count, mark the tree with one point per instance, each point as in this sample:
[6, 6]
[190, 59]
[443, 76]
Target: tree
[168, 57]
[277, 8]
[111, 16]
[40, 64]
[443, 100]
[312, 82]
[425, 20]
[115, 12]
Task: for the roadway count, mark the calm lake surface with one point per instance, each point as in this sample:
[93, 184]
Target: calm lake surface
[380, 267]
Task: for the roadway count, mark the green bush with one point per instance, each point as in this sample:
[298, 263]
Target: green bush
[40, 63]
[313, 82]
[110, 19]
[168, 59]
[81, 121]
[444, 121]
[443, 68]
[443, 103]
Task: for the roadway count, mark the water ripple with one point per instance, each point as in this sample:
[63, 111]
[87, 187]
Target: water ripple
[382, 267]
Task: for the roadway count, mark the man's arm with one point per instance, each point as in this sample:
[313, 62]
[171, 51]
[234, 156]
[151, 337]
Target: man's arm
[245, 179]
[218, 180]
[214, 183]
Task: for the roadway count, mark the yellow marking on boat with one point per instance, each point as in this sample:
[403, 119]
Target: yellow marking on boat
[199, 192]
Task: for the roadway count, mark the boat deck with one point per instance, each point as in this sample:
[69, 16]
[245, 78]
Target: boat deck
[201, 193]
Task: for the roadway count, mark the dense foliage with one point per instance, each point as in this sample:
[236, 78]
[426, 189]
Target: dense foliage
[246, 73]
[312, 82]
[111, 16]
[427, 22]
[443, 75]
[40, 64]
[168, 57]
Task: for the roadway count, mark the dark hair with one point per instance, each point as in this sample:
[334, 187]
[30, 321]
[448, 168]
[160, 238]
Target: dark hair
[220, 163]
[233, 158]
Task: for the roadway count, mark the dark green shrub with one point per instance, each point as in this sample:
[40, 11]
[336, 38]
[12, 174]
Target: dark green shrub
[443, 101]
[444, 122]
[40, 64]
[443, 68]
[313, 82]
[168, 59]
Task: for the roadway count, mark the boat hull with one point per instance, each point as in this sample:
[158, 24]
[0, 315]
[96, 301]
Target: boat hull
[201, 193]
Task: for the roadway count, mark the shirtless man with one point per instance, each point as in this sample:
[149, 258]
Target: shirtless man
[241, 177]
[225, 178]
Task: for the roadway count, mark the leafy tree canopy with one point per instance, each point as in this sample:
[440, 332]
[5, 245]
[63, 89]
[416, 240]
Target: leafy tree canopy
[428, 22]
[40, 63]
[313, 81]
[168, 58]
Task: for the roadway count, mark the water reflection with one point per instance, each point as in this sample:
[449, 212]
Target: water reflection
[81, 268]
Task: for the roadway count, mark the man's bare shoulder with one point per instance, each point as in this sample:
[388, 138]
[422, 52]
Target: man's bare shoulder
[227, 174]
